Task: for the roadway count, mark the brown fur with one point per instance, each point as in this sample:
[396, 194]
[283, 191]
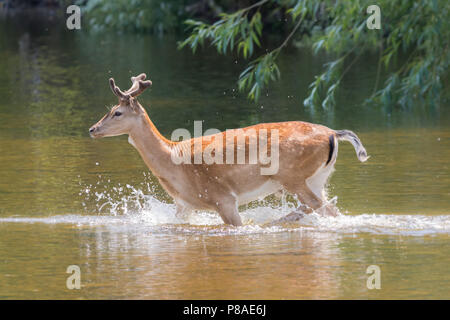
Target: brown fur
[303, 150]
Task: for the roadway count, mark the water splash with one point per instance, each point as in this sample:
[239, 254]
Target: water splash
[125, 207]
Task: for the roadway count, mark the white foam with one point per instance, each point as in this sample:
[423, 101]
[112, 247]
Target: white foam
[157, 216]
[125, 207]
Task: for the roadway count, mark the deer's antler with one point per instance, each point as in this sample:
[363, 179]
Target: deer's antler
[139, 85]
[115, 89]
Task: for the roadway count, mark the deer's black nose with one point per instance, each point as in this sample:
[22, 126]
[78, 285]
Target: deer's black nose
[92, 129]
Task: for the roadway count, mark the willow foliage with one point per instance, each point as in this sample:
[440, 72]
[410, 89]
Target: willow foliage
[154, 16]
[413, 33]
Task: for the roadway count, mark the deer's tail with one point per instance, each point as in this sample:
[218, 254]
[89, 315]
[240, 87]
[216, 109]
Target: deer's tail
[351, 137]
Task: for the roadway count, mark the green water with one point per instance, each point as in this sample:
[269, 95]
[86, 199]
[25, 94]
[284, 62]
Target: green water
[66, 199]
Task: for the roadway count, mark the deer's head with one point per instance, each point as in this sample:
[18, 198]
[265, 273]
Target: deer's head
[126, 114]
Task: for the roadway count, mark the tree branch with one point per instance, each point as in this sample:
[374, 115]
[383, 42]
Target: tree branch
[285, 42]
[258, 4]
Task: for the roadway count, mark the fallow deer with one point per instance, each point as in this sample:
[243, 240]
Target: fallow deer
[306, 153]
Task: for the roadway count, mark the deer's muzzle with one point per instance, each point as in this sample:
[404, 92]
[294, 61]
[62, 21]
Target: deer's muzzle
[93, 131]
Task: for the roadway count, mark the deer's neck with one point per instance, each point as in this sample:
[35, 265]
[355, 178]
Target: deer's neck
[152, 146]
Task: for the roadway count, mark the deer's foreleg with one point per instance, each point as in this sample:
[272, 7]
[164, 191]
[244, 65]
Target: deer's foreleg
[228, 210]
[182, 212]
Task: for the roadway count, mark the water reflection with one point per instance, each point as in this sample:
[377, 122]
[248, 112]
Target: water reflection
[53, 85]
[139, 263]
[195, 267]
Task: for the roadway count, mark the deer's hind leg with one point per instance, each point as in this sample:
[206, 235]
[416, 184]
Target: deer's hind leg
[309, 201]
[312, 202]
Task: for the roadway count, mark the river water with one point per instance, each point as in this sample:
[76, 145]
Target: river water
[66, 199]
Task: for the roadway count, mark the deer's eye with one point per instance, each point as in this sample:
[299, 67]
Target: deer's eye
[117, 114]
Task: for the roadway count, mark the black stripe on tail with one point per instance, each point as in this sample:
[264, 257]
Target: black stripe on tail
[332, 146]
